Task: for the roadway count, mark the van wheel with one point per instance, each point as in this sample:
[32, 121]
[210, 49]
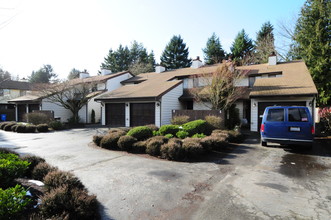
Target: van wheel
[264, 143]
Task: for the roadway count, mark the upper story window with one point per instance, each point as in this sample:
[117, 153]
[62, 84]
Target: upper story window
[266, 75]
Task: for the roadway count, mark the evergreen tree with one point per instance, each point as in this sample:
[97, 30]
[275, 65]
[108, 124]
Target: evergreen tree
[242, 47]
[43, 75]
[4, 75]
[175, 54]
[74, 73]
[313, 36]
[213, 51]
[143, 67]
[264, 44]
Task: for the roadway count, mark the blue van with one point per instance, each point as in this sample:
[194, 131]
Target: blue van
[287, 125]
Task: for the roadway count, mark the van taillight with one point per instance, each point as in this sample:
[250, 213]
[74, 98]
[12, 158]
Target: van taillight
[262, 127]
[312, 130]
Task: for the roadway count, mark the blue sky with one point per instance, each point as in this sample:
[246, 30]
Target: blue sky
[79, 33]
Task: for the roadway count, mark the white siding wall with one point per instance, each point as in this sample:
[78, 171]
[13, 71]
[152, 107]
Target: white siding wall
[170, 102]
[82, 114]
[97, 109]
[242, 82]
[254, 109]
[101, 86]
[115, 83]
[59, 112]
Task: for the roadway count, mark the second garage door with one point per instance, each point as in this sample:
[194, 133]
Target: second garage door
[142, 114]
[115, 114]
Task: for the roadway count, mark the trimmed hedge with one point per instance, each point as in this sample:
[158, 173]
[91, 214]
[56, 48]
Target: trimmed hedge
[182, 134]
[110, 140]
[139, 147]
[197, 127]
[193, 147]
[34, 161]
[141, 133]
[153, 145]
[125, 142]
[30, 129]
[8, 127]
[97, 139]
[41, 170]
[179, 120]
[42, 128]
[213, 142]
[169, 129]
[173, 150]
[56, 125]
[57, 178]
[214, 121]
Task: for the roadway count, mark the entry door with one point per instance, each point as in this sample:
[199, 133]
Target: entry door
[262, 106]
[142, 114]
[115, 114]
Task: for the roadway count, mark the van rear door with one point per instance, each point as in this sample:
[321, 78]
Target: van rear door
[299, 124]
[274, 123]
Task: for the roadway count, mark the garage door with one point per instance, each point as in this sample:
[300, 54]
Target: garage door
[115, 114]
[142, 114]
[262, 106]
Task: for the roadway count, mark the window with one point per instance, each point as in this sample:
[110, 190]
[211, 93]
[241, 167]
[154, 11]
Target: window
[276, 114]
[297, 115]
[251, 81]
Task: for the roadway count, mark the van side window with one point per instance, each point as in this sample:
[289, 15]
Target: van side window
[275, 114]
[297, 115]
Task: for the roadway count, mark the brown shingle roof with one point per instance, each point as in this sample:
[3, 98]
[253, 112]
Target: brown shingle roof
[10, 84]
[295, 80]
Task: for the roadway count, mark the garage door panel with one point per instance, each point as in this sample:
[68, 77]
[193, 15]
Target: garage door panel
[115, 114]
[142, 114]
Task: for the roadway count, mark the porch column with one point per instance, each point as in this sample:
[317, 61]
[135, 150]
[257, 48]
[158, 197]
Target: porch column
[127, 114]
[16, 112]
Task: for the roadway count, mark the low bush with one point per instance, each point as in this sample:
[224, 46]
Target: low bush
[169, 129]
[34, 161]
[110, 140]
[141, 133]
[8, 127]
[235, 136]
[3, 124]
[56, 179]
[56, 125]
[21, 128]
[197, 126]
[139, 147]
[199, 136]
[67, 203]
[169, 136]
[30, 129]
[42, 128]
[214, 121]
[97, 139]
[37, 118]
[11, 167]
[213, 142]
[41, 170]
[153, 145]
[153, 127]
[192, 147]
[182, 134]
[179, 120]
[14, 127]
[116, 130]
[173, 150]
[221, 133]
[13, 201]
[125, 142]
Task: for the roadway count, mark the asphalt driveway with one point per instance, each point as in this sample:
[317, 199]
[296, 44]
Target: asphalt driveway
[246, 181]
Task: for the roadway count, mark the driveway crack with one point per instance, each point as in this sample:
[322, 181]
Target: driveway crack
[96, 163]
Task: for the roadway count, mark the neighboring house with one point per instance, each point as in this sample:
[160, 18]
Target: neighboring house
[102, 83]
[150, 98]
[9, 90]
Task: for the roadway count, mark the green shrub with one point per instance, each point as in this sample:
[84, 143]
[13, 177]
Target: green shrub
[70, 203]
[139, 147]
[14, 127]
[110, 140]
[153, 145]
[156, 133]
[213, 142]
[13, 201]
[214, 121]
[125, 142]
[199, 136]
[41, 170]
[182, 134]
[30, 129]
[37, 118]
[221, 133]
[56, 125]
[8, 127]
[21, 128]
[141, 133]
[169, 129]
[169, 136]
[56, 179]
[3, 124]
[179, 120]
[97, 139]
[42, 128]
[197, 126]
[153, 127]
[193, 147]
[34, 161]
[11, 167]
[173, 150]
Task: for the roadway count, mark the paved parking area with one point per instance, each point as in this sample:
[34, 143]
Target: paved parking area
[246, 181]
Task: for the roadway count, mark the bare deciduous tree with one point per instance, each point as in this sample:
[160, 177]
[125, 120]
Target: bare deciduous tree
[220, 90]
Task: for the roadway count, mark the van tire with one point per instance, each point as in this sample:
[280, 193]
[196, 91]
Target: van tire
[264, 143]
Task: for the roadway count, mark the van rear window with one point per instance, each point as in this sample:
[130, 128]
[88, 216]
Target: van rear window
[297, 115]
[276, 114]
